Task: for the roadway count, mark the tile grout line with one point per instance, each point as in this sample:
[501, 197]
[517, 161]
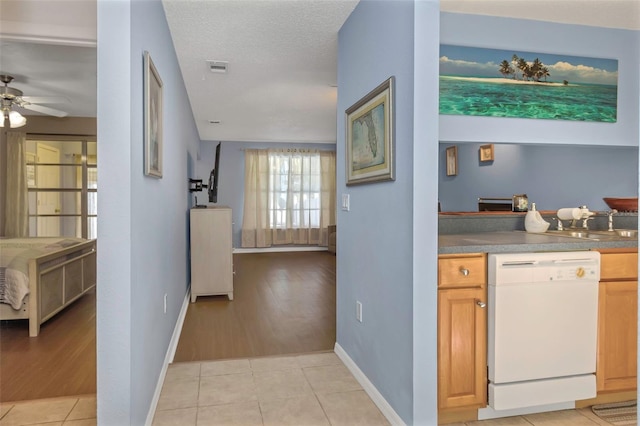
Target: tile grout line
[71, 410]
[315, 394]
[8, 411]
[198, 396]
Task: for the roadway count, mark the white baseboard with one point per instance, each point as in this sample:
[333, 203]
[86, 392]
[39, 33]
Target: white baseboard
[175, 338]
[278, 249]
[369, 388]
[168, 359]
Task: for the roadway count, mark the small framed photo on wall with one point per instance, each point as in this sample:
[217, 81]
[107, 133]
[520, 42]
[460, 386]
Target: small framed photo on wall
[486, 152]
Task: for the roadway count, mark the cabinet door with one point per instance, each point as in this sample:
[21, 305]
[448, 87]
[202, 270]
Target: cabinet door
[617, 335]
[462, 348]
[211, 252]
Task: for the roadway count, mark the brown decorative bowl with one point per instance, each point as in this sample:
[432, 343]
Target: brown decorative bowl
[624, 204]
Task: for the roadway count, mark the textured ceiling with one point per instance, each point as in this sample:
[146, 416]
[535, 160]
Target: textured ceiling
[623, 14]
[53, 71]
[49, 47]
[282, 66]
[282, 55]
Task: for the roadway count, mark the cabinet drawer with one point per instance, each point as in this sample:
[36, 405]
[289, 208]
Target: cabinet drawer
[462, 270]
[619, 266]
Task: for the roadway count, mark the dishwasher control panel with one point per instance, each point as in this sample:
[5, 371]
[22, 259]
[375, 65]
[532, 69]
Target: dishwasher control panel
[589, 272]
[517, 268]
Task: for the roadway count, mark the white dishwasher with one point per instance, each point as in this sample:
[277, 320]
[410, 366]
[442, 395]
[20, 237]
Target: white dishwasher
[542, 328]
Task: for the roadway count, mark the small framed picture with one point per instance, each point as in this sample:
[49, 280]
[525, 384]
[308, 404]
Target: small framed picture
[486, 152]
[452, 161]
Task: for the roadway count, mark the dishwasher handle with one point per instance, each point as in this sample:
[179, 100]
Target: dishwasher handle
[509, 263]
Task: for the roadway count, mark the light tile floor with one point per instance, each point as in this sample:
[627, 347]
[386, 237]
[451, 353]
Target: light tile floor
[577, 417]
[313, 389]
[80, 411]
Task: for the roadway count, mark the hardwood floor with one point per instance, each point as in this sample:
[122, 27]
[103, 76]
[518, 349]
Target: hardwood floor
[284, 303]
[61, 361]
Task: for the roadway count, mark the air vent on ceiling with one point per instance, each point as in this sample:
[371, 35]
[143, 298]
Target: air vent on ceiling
[218, 66]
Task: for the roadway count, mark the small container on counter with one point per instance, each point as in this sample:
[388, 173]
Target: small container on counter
[533, 221]
[520, 203]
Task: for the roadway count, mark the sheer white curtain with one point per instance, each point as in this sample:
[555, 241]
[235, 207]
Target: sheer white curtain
[328, 193]
[255, 220]
[17, 205]
[294, 202]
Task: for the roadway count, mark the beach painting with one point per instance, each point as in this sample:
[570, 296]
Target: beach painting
[509, 83]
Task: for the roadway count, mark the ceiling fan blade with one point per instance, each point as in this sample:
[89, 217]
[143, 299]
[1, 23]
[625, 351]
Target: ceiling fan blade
[46, 99]
[45, 110]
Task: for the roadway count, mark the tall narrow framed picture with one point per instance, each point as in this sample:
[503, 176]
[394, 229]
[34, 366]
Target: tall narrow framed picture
[152, 119]
[370, 137]
[452, 160]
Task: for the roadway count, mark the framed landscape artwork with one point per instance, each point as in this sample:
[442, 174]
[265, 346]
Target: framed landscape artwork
[152, 119]
[510, 83]
[369, 139]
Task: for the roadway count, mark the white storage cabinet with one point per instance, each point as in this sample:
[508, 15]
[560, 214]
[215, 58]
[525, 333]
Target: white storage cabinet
[211, 252]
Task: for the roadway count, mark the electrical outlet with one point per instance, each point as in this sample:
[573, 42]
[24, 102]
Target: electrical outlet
[165, 303]
[358, 311]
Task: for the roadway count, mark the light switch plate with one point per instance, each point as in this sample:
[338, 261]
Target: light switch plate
[345, 202]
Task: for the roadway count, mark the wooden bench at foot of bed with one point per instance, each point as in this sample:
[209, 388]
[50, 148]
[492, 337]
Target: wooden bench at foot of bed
[55, 281]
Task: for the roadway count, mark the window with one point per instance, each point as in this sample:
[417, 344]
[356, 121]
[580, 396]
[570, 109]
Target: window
[289, 197]
[62, 187]
[294, 190]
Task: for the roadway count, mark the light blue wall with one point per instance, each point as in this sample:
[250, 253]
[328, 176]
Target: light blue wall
[552, 176]
[375, 238]
[231, 177]
[547, 37]
[143, 230]
[143, 222]
[425, 217]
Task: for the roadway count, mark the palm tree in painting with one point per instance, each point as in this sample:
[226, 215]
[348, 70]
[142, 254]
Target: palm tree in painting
[536, 69]
[514, 63]
[523, 66]
[545, 72]
[506, 69]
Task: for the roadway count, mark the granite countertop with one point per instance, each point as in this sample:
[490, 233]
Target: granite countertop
[521, 241]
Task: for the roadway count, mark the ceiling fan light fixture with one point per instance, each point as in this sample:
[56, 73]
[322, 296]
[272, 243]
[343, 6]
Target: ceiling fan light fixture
[15, 120]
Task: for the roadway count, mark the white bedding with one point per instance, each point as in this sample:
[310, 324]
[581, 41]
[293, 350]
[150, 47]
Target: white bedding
[14, 263]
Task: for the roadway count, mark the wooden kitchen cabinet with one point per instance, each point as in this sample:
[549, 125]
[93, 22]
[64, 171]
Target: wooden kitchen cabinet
[616, 364]
[211, 252]
[462, 331]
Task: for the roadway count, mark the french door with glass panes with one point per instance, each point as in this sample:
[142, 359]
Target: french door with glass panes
[62, 181]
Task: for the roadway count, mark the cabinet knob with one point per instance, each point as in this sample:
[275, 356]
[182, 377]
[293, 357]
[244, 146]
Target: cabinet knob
[480, 303]
[464, 271]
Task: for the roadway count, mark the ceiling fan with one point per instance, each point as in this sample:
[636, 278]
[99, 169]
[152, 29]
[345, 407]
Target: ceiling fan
[10, 97]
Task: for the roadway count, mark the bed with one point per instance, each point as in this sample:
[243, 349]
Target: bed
[41, 276]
